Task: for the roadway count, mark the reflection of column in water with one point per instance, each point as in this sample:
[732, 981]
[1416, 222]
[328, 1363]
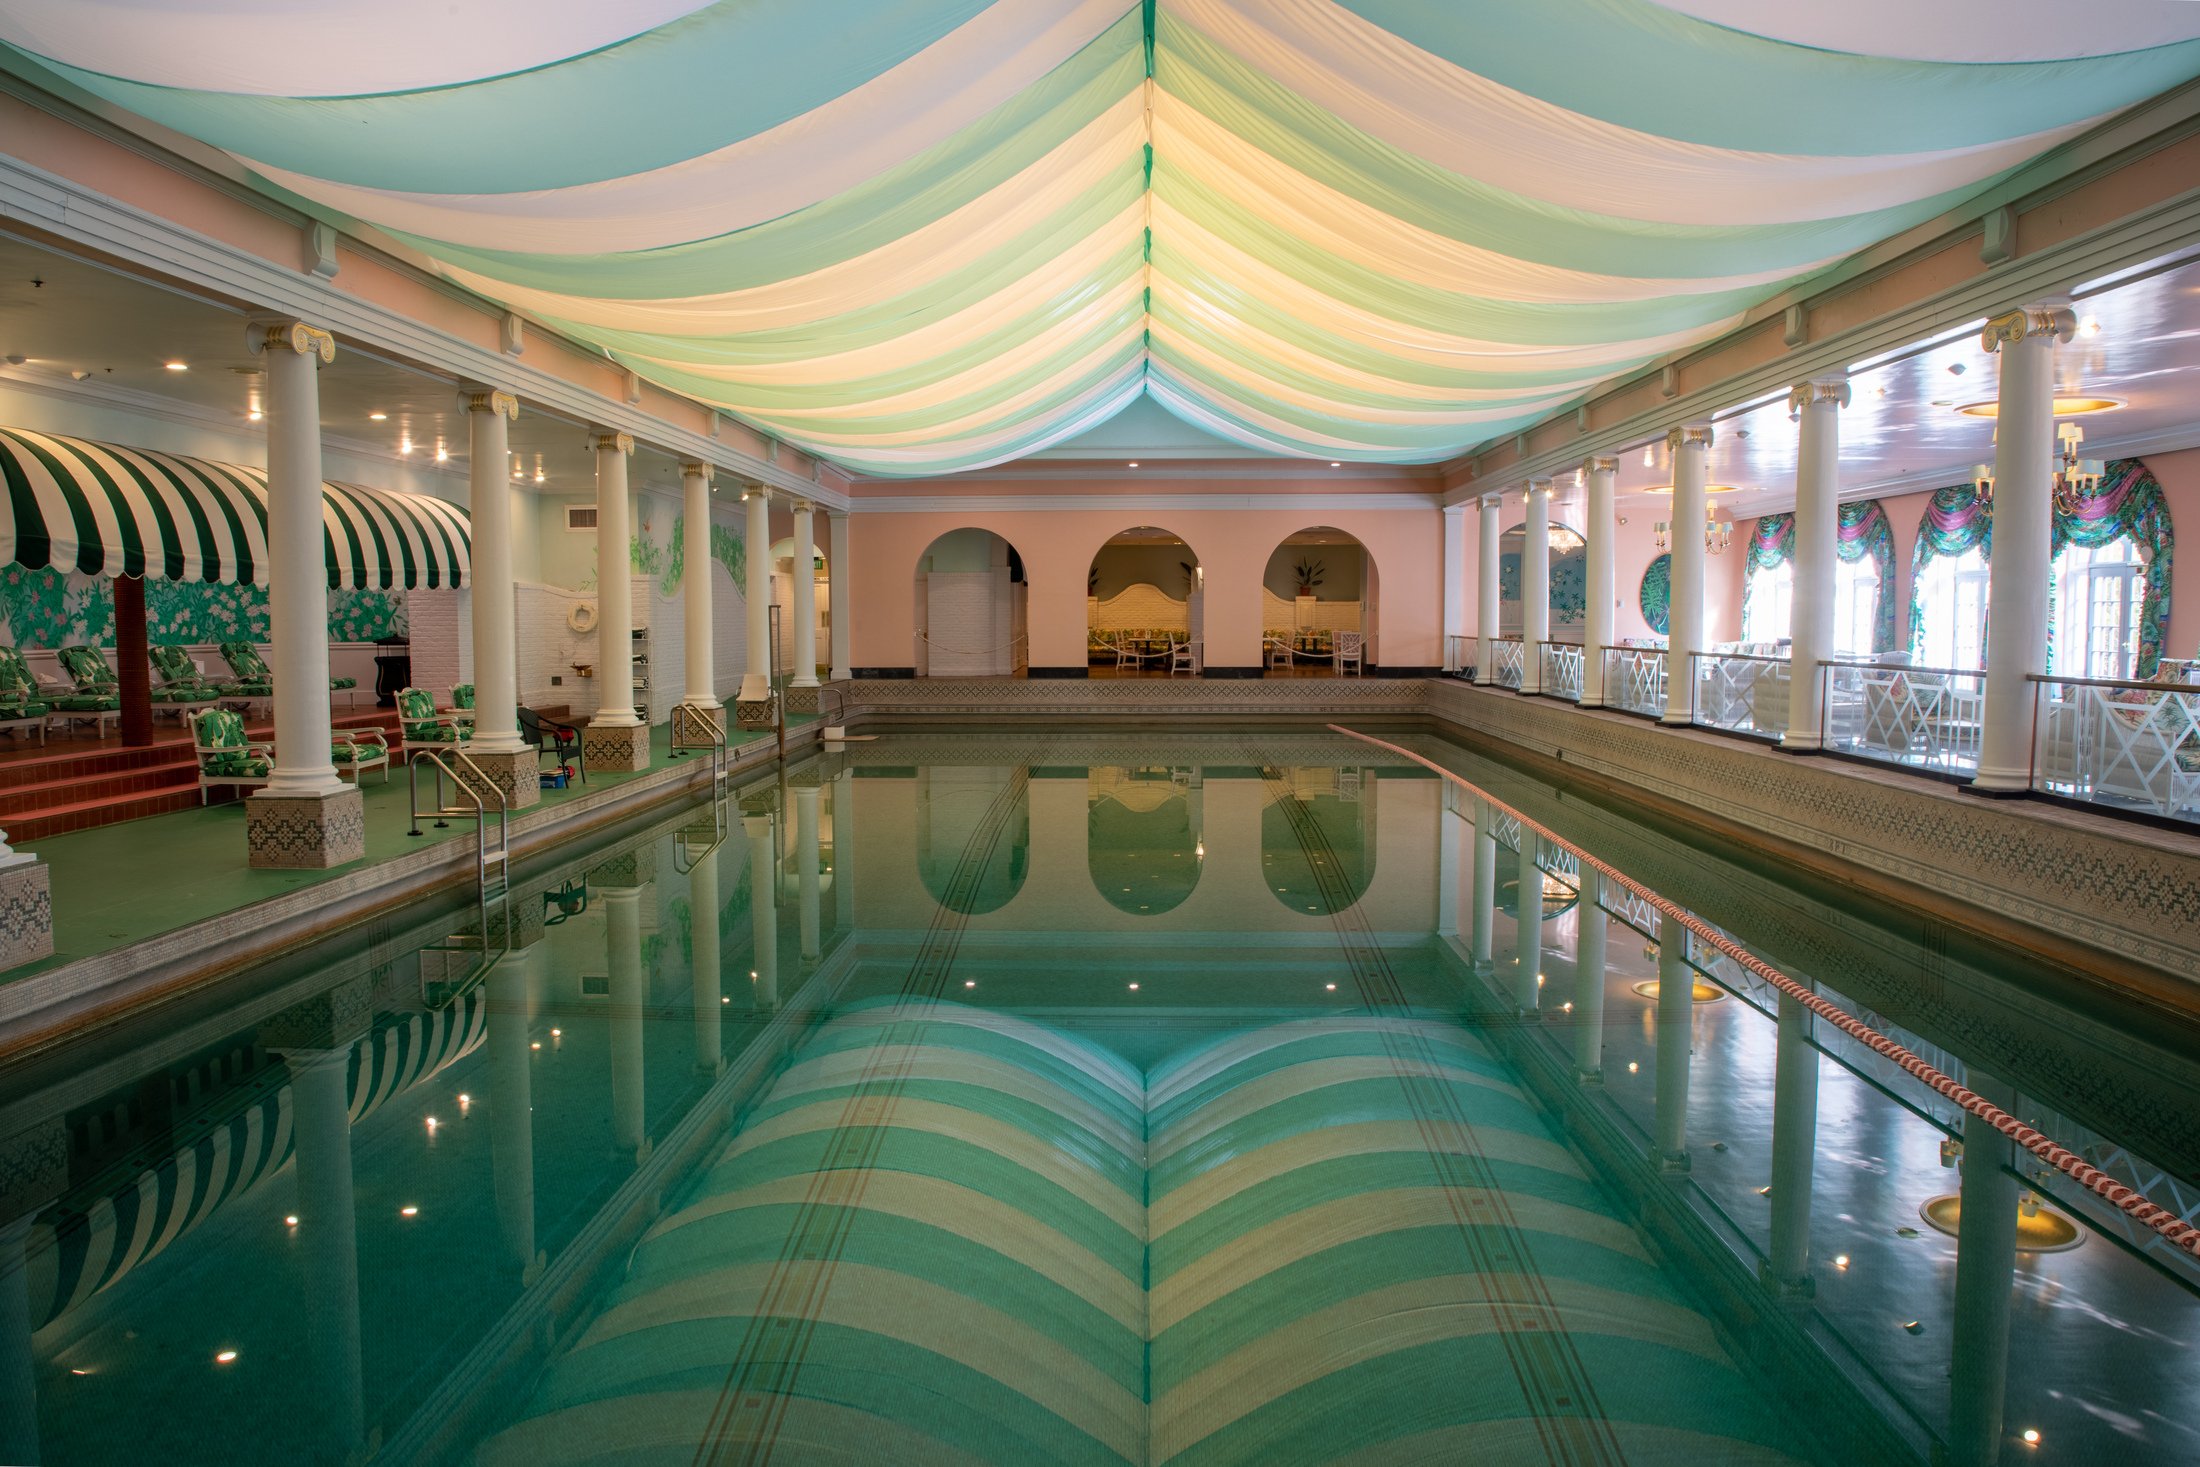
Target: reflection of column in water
[805, 865]
[1450, 833]
[763, 911]
[622, 927]
[511, 1106]
[328, 1233]
[844, 850]
[707, 985]
[1528, 925]
[1485, 886]
[1794, 1148]
[18, 1379]
[1676, 1020]
[1589, 977]
[1986, 1261]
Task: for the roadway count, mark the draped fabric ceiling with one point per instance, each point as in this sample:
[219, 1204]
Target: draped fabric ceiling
[917, 236]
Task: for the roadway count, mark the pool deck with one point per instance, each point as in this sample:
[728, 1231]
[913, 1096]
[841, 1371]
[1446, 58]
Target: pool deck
[154, 906]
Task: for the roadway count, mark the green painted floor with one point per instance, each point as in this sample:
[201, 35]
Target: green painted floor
[123, 883]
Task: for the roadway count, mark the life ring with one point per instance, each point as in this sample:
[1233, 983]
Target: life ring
[582, 618]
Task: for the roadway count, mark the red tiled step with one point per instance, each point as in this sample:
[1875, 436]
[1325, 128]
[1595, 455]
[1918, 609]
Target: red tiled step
[17, 801]
[86, 814]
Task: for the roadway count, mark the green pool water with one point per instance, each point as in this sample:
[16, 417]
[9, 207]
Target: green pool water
[1256, 1097]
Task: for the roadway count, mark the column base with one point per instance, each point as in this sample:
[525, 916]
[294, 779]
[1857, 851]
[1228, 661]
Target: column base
[305, 832]
[26, 913]
[1795, 1289]
[1672, 1163]
[516, 776]
[612, 747]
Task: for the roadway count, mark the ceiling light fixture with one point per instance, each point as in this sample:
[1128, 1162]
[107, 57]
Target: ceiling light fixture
[2090, 326]
[378, 417]
[254, 415]
[2064, 407]
[442, 454]
[1336, 463]
[1132, 464]
[2075, 478]
[177, 366]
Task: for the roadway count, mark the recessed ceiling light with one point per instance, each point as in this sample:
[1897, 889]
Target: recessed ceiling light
[177, 366]
[378, 417]
[226, 1357]
[1132, 464]
[538, 476]
[254, 416]
[1708, 489]
[2064, 407]
[442, 454]
[2090, 326]
[404, 445]
[1335, 464]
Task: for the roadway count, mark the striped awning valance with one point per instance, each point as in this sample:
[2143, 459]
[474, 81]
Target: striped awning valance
[75, 505]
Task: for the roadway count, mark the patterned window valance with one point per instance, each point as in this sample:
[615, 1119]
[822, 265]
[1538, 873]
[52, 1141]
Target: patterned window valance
[1864, 533]
[1657, 595]
[1955, 523]
[2129, 502]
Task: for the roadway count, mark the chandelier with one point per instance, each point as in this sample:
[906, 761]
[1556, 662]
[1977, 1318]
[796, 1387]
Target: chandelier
[2075, 477]
[1717, 533]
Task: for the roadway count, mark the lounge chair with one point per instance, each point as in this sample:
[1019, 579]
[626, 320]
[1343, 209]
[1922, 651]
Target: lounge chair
[97, 699]
[251, 678]
[355, 751]
[421, 726]
[461, 710]
[177, 681]
[226, 757]
[23, 704]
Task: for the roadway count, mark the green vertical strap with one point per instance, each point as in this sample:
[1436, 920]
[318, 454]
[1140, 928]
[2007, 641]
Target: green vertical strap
[33, 541]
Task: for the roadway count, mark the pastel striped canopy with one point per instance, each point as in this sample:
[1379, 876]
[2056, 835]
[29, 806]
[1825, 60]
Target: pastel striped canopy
[917, 236]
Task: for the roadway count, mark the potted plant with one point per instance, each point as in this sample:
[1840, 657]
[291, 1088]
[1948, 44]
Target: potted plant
[1309, 574]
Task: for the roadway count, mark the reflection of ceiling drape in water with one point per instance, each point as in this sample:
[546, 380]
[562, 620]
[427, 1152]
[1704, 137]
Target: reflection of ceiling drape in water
[1341, 1220]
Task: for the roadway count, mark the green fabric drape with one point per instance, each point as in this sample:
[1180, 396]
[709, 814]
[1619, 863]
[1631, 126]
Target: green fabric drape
[1954, 524]
[1864, 533]
[2128, 501]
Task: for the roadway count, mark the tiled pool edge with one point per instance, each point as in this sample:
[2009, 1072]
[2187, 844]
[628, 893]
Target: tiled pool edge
[96, 987]
[2067, 878]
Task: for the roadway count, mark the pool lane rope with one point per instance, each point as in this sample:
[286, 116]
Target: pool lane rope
[2128, 1200]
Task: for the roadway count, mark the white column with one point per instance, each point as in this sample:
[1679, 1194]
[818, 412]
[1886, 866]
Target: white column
[758, 591]
[489, 506]
[805, 597]
[1986, 1260]
[1528, 925]
[511, 1109]
[702, 653]
[1483, 941]
[18, 1357]
[805, 868]
[1690, 449]
[1452, 561]
[1535, 585]
[1601, 526]
[1816, 407]
[1485, 593]
[328, 1232]
[1451, 832]
[622, 929]
[1794, 1149]
[1592, 928]
[2017, 582]
[707, 981]
[614, 586]
[1676, 1035]
[844, 850]
[763, 912]
[297, 562]
[843, 588]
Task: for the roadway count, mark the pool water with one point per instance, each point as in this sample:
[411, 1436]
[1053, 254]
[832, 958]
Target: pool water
[1256, 1097]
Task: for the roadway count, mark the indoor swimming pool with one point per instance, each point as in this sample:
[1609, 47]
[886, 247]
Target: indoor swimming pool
[1117, 1097]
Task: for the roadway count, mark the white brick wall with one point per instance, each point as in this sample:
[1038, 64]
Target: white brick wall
[439, 632]
[548, 648]
[967, 623]
[729, 612]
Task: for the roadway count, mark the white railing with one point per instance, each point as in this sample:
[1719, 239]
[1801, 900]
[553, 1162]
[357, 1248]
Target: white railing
[2121, 744]
[1740, 692]
[1923, 717]
[1510, 656]
[1460, 655]
[1562, 670]
[1634, 679]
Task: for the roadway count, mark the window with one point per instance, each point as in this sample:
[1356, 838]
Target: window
[1769, 604]
[2098, 594]
[1855, 607]
[1951, 598]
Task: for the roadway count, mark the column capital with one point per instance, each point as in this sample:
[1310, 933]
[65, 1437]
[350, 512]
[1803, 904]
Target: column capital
[753, 490]
[622, 443]
[695, 469]
[290, 335]
[1818, 390]
[1495, 499]
[1699, 434]
[1540, 486]
[801, 506]
[494, 401]
[1600, 464]
[2041, 318]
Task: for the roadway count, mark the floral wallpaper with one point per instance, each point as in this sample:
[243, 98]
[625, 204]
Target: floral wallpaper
[1657, 594]
[45, 609]
[1569, 584]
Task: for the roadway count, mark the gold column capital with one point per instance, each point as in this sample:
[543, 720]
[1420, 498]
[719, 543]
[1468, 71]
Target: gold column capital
[502, 404]
[622, 443]
[297, 336]
[1833, 390]
[695, 468]
[1600, 465]
[1700, 435]
[2047, 318]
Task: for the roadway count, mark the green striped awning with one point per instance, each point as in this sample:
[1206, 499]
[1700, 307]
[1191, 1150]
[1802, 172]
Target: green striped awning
[75, 505]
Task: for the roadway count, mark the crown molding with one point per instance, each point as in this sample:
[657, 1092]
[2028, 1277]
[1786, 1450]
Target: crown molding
[1019, 503]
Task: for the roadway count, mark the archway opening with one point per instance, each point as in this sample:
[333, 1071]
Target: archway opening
[1317, 605]
[1144, 606]
[972, 607]
[1143, 843]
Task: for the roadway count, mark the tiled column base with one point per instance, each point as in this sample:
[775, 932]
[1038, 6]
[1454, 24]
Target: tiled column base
[26, 913]
[287, 833]
[517, 777]
[615, 748]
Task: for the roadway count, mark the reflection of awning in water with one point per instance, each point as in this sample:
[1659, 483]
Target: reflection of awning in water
[89, 1242]
[75, 505]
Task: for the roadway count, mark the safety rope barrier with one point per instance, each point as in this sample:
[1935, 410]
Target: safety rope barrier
[1007, 646]
[2127, 1200]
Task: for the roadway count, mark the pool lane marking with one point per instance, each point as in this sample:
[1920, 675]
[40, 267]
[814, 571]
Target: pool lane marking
[753, 1403]
[1546, 1364]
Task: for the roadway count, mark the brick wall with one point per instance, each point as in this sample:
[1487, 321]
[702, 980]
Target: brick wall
[966, 628]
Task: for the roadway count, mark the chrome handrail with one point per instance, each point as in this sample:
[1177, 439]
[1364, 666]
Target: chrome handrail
[704, 729]
[473, 790]
[1892, 667]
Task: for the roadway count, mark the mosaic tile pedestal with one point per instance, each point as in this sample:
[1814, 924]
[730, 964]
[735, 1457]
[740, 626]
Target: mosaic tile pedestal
[517, 777]
[26, 912]
[608, 748]
[308, 833]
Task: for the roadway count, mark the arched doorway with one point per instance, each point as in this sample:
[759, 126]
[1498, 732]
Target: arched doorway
[1317, 604]
[1142, 833]
[782, 584]
[1144, 605]
[972, 607]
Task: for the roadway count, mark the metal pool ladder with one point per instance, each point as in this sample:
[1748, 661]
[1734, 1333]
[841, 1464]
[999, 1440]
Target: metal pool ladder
[702, 729]
[492, 868]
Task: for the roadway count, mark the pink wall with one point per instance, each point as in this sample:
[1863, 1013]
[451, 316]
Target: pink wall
[1232, 547]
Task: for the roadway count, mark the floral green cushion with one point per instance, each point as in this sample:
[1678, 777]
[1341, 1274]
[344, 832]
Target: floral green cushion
[88, 702]
[15, 673]
[337, 684]
[244, 660]
[217, 727]
[462, 696]
[87, 667]
[246, 690]
[219, 734]
[346, 753]
[236, 766]
[429, 733]
[14, 705]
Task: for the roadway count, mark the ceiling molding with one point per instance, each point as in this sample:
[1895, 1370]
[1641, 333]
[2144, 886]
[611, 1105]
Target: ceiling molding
[64, 210]
[1018, 503]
